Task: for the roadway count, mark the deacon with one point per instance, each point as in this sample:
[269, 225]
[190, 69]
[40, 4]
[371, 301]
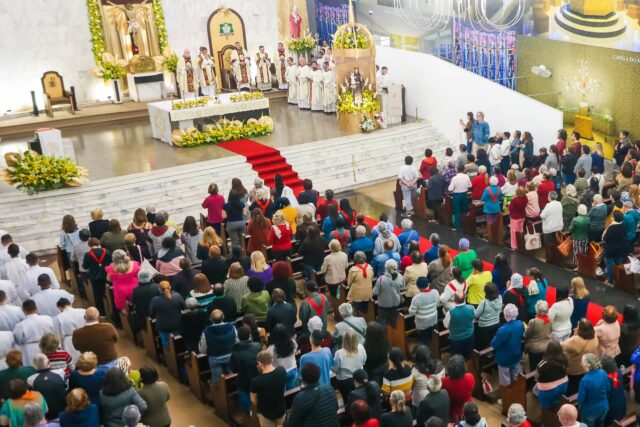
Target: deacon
[242, 73]
[281, 73]
[68, 320]
[330, 91]
[303, 77]
[186, 75]
[292, 82]
[316, 88]
[263, 79]
[28, 332]
[206, 68]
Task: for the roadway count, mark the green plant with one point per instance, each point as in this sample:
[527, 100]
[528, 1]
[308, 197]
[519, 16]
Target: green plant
[223, 131]
[170, 63]
[348, 39]
[112, 71]
[95, 29]
[346, 103]
[161, 28]
[33, 172]
[302, 45]
[367, 125]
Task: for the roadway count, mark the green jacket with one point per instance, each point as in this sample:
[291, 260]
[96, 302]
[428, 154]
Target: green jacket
[579, 228]
[256, 303]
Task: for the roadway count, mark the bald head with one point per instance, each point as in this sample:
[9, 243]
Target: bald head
[91, 314]
[568, 415]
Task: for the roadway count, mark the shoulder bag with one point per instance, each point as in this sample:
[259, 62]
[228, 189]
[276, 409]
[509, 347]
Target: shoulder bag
[532, 240]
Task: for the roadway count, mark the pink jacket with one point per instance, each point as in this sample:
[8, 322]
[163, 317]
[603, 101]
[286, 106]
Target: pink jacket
[608, 335]
[123, 284]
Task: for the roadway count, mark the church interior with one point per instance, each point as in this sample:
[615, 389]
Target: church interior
[430, 206]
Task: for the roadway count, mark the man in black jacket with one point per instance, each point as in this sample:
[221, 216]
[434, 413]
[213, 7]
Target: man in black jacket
[141, 298]
[435, 191]
[224, 303]
[281, 312]
[315, 405]
[244, 363]
[216, 267]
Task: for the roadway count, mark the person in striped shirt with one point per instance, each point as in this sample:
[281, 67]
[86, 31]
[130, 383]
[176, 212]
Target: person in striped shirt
[398, 376]
[59, 360]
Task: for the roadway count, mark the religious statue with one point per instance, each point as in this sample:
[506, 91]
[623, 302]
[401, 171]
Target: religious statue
[206, 74]
[132, 20]
[242, 72]
[186, 75]
[355, 82]
[263, 79]
[295, 23]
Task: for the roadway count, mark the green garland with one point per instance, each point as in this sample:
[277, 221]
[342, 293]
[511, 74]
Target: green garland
[595, 114]
[161, 28]
[225, 131]
[95, 28]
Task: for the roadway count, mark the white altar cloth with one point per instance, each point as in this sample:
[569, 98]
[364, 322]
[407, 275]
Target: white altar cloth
[164, 120]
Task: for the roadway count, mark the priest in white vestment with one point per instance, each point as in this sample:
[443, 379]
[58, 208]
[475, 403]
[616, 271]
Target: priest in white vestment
[68, 320]
[330, 90]
[281, 73]
[292, 83]
[27, 333]
[239, 50]
[303, 77]
[206, 73]
[47, 299]
[186, 75]
[242, 73]
[263, 77]
[316, 88]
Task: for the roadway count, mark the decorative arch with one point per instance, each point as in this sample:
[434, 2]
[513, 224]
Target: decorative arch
[225, 27]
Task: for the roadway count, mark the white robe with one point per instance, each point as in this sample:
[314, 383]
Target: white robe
[183, 70]
[47, 300]
[33, 274]
[304, 87]
[288, 193]
[281, 75]
[290, 77]
[206, 75]
[329, 94]
[4, 257]
[17, 270]
[10, 289]
[65, 323]
[6, 343]
[242, 81]
[10, 316]
[27, 335]
[316, 90]
[235, 55]
[263, 76]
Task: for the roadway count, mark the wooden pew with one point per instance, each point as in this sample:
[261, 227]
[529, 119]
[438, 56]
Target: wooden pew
[519, 394]
[175, 356]
[405, 325]
[199, 376]
[109, 308]
[420, 204]
[224, 395]
[75, 279]
[630, 420]
[624, 281]
[151, 340]
[587, 264]
[60, 255]
[480, 362]
[397, 197]
[445, 212]
[513, 394]
[468, 220]
[88, 290]
[439, 342]
[495, 231]
[126, 327]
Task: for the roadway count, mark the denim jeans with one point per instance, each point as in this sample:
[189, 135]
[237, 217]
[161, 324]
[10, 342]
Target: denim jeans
[293, 379]
[505, 164]
[309, 270]
[460, 206]
[610, 266]
[219, 365]
[594, 420]
[164, 339]
[569, 177]
[235, 230]
[244, 400]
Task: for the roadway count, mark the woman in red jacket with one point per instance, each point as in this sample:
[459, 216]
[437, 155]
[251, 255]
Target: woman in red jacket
[517, 208]
[280, 237]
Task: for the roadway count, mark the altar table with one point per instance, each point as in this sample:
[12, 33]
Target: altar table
[164, 119]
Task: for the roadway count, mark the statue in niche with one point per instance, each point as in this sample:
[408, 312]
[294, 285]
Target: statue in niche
[295, 23]
[132, 19]
[355, 83]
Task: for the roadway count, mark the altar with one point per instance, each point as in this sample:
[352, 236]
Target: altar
[165, 119]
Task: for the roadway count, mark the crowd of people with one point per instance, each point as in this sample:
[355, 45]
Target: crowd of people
[241, 306]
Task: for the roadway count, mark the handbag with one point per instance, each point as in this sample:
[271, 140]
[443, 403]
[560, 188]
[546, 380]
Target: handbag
[598, 251]
[532, 240]
[566, 243]
[147, 267]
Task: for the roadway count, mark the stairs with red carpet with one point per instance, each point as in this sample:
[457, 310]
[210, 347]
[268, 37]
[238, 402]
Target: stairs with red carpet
[267, 162]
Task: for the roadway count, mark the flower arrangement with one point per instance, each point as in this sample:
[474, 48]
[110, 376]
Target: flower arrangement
[95, 28]
[223, 130]
[161, 28]
[110, 68]
[366, 125]
[170, 63]
[350, 38]
[33, 172]
[369, 105]
[303, 44]
[192, 103]
[246, 96]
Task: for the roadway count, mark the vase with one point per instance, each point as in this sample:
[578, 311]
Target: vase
[117, 95]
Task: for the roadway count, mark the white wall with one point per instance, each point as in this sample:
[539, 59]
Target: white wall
[443, 93]
[42, 35]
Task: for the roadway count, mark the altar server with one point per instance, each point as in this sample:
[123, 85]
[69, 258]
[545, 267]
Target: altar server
[242, 73]
[17, 272]
[281, 73]
[10, 315]
[5, 242]
[263, 62]
[316, 88]
[35, 270]
[68, 320]
[303, 77]
[206, 73]
[47, 299]
[27, 333]
[329, 93]
[6, 344]
[292, 82]
[186, 75]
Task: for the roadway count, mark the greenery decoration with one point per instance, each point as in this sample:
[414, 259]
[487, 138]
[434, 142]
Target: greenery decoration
[223, 130]
[33, 172]
[595, 114]
[192, 103]
[350, 38]
[246, 96]
[112, 71]
[369, 105]
[303, 44]
[170, 63]
[95, 28]
[367, 125]
[161, 28]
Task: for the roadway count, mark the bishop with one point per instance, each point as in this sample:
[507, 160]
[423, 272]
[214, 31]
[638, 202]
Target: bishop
[281, 72]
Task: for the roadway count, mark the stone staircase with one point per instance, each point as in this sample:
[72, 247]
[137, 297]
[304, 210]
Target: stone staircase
[341, 164]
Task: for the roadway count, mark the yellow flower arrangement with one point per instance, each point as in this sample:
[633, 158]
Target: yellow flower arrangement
[303, 44]
[350, 38]
[223, 130]
[246, 96]
[192, 103]
[33, 172]
[346, 103]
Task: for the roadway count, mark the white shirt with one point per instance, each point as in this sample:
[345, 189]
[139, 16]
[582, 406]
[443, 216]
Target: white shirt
[508, 189]
[47, 299]
[505, 148]
[560, 316]
[552, 217]
[6, 343]
[65, 323]
[408, 172]
[10, 289]
[27, 334]
[10, 316]
[460, 183]
[34, 272]
[4, 257]
[17, 269]
[495, 154]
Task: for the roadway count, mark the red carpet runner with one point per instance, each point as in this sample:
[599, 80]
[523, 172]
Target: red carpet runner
[268, 162]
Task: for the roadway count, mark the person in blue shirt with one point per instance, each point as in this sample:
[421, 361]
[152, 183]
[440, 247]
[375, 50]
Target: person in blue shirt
[379, 260]
[407, 236]
[508, 346]
[480, 130]
[319, 356]
[492, 198]
[329, 223]
[382, 218]
[593, 392]
[597, 159]
[617, 397]
[361, 242]
[630, 221]
[535, 293]
[432, 253]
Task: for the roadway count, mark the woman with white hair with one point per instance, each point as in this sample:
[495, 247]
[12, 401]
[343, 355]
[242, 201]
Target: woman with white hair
[538, 334]
[123, 274]
[334, 267]
[388, 289]
[579, 231]
[593, 392]
[569, 204]
[551, 216]
[492, 198]
[407, 236]
[384, 234]
[516, 416]
[508, 347]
